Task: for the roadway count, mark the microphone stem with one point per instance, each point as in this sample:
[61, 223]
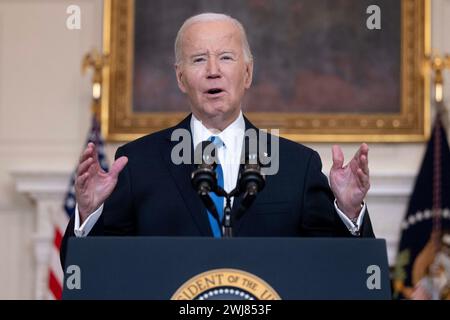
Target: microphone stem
[227, 225]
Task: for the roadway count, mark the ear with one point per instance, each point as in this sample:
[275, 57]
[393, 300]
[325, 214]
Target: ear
[248, 75]
[180, 77]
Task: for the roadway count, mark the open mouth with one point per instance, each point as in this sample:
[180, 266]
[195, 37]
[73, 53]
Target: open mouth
[214, 91]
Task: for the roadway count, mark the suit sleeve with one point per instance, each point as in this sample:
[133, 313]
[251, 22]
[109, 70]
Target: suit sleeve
[319, 217]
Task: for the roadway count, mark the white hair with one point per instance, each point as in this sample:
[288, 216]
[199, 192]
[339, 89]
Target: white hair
[248, 57]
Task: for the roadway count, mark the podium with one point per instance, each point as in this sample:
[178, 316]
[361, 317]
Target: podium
[236, 268]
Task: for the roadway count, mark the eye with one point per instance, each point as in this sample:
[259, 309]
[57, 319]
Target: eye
[199, 60]
[227, 58]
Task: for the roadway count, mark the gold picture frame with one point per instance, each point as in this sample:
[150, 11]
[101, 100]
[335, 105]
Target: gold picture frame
[412, 124]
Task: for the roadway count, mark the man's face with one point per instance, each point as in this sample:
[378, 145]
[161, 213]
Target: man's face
[213, 72]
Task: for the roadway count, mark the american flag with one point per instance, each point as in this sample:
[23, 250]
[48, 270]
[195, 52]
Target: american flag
[55, 276]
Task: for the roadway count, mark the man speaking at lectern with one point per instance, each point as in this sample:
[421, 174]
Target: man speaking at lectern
[145, 193]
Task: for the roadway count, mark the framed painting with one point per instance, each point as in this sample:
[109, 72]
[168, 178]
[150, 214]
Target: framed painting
[321, 74]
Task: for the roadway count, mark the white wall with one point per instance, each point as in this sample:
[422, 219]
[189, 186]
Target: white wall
[44, 114]
[44, 117]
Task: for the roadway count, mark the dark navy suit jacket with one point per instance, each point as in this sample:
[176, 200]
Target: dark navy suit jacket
[154, 197]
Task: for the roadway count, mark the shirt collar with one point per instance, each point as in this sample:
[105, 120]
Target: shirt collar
[231, 136]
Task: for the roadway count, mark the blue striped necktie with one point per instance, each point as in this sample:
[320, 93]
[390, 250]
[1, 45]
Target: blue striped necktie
[218, 201]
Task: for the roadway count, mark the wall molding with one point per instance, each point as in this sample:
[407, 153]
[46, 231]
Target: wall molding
[46, 189]
[391, 185]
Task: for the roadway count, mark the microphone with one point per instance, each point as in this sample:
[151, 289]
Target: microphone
[251, 180]
[204, 178]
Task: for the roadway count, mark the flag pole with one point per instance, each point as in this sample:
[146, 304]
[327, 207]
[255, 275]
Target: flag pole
[438, 66]
[95, 61]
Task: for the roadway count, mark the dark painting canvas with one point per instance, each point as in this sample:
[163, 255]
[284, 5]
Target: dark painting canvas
[311, 56]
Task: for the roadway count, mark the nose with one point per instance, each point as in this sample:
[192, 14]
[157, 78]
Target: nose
[213, 68]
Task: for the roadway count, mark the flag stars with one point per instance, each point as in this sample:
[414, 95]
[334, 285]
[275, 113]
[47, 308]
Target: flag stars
[70, 203]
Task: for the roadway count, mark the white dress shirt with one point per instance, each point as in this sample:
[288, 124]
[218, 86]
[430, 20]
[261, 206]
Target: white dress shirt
[229, 157]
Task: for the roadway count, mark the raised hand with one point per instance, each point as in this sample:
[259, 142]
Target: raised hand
[350, 183]
[92, 184]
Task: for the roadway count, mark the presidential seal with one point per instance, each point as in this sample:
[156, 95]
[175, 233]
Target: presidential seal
[225, 284]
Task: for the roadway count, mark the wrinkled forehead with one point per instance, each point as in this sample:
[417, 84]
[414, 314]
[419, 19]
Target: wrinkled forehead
[211, 36]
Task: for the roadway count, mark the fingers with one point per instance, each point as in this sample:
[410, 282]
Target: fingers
[363, 179]
[364, 164]
[87, 167]
[363, 149]
[338, 157]
[363, 158]
[81, 181]
[88, 152]
[84, 166]
[118, 166]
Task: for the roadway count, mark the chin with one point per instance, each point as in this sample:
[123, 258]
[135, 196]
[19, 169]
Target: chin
[217, 110]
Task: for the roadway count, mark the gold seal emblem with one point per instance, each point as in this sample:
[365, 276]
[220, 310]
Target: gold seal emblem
[225, 284]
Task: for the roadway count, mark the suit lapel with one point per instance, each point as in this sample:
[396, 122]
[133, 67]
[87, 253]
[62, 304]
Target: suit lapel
[181, 175]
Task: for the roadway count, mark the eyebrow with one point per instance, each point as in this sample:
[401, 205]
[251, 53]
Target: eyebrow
[200, 54]
[228, 52]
